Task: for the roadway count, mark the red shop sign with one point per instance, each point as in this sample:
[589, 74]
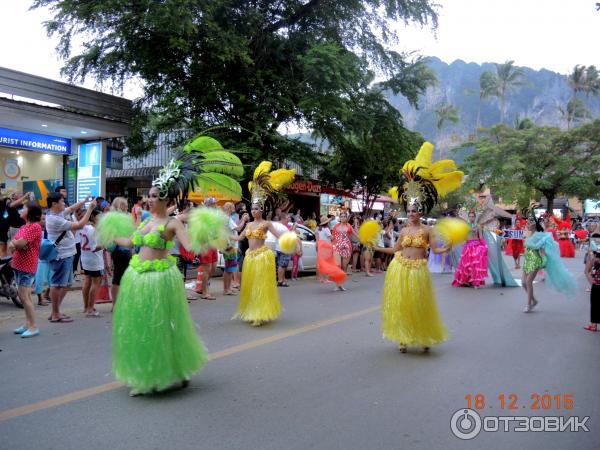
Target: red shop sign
[305, 186]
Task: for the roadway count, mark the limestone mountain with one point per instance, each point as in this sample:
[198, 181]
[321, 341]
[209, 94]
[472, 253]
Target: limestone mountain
[540, 99]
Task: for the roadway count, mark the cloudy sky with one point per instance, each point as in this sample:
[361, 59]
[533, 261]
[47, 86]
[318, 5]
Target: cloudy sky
[551, 34]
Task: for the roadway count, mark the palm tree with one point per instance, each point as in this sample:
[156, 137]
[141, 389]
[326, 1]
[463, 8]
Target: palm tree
[592, 81]
[575, 111]
[508, 77]
[576, 80]
[523, 123]
[445, 112]
[487, 88]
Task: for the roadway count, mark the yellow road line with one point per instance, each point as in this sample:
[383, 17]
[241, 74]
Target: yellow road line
[84, 393]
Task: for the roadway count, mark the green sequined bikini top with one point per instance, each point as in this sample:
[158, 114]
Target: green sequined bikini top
[152, 239]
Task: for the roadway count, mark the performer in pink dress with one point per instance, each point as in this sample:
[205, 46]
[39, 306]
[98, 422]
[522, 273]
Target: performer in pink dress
[473, 265]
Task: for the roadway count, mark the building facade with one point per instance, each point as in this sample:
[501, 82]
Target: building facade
[54, 133]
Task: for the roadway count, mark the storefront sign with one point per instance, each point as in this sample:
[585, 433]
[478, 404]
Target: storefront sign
[89, 168]
[36, 142]
[305, 186]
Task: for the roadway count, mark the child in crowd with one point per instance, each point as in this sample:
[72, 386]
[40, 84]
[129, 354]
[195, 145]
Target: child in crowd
[230, 257]
[92, 263]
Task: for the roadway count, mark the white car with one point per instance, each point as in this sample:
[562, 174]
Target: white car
[308, 260]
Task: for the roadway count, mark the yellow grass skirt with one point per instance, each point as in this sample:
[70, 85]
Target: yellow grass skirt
[409, 313]
[259, 299]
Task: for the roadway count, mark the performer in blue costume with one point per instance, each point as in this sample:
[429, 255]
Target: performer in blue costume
[542, 251]
[486, 218]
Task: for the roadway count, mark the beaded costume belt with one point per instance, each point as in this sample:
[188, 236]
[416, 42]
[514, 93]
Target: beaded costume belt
[410, 262]
[258, 251]
[152, 265]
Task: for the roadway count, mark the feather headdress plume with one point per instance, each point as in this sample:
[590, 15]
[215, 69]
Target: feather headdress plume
[267, 187]
[202, 166]
[423, 183]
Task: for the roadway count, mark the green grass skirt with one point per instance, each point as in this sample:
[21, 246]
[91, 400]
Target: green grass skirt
[155, 344]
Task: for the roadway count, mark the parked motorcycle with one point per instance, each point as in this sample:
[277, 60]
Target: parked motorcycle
[8, 284]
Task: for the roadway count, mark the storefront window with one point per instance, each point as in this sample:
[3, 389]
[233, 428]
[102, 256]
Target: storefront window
[30, 171]
[334, 204]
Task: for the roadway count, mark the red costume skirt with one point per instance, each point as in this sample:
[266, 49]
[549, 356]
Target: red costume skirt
[567, 249]
[517, 248]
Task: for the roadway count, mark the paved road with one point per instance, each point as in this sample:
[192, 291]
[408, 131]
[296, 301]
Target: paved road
[320, 377]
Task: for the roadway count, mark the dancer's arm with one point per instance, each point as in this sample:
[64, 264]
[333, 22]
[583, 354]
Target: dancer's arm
[391, 250]
[544, 257]
[272, 229]
[239, 237]
[124, 242]
[179, 230]
[433, 244]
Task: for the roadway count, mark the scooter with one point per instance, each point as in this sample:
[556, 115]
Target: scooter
[8, 284]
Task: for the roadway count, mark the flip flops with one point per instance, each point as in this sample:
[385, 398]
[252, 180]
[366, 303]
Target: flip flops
[62, 319]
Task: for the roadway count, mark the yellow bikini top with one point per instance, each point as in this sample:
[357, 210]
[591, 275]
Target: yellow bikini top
[417, 240]
[259, 233]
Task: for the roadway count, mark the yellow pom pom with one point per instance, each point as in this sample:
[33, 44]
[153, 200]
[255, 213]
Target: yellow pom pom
[287, 242]
[368, 233]
[453, 231]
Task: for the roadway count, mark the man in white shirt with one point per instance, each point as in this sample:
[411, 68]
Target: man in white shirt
[231, 278]
[62, 267]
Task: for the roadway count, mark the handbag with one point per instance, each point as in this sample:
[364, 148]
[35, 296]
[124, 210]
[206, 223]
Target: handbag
[48, 248]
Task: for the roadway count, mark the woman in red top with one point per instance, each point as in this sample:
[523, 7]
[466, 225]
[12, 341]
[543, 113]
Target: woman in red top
[26, 251]
[517, 246]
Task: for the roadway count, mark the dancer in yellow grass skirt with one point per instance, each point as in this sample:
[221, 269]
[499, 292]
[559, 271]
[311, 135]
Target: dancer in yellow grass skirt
[409, 314]
[259, 298]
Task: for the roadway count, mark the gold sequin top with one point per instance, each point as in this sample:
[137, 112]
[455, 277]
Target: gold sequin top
[258, 233]
[418, 240]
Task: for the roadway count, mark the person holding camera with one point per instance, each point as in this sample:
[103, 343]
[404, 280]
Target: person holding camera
[60, 231]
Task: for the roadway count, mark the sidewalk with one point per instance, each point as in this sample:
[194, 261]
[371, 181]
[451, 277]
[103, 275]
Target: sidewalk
[73, 302]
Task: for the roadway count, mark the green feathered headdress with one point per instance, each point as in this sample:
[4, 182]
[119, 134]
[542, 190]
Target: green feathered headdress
[202, 165]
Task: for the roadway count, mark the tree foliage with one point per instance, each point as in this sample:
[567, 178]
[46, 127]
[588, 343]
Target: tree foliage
[445, 112]
[574, 112]
[369, 147]
[519, 164]
[499, 84]
[584, 79]
[254, 65]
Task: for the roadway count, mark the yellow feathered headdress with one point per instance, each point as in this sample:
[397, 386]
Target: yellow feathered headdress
[269, 185]
[423, 183]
